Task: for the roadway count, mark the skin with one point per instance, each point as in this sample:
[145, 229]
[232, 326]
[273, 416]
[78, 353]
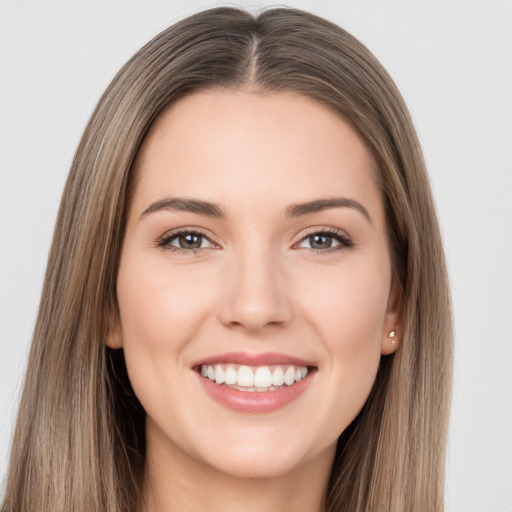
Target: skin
[255, 285]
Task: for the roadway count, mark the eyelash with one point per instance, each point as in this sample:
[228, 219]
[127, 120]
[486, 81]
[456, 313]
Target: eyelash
[344, 241]
[165, 241]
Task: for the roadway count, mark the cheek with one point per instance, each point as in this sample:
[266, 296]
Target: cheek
[348, 314]
[160, 313]
[350, 306]
[158, 306]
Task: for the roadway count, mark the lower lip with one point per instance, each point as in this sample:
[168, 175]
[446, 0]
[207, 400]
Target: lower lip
[255, 401]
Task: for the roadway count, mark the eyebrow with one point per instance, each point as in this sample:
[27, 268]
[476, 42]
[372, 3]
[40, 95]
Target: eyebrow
[214, 210]
[182, 204]
[297, 210]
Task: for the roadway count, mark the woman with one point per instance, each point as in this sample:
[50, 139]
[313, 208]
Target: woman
[246, 301]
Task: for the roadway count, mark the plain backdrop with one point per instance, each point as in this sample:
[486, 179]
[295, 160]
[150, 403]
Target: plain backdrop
[452, 61]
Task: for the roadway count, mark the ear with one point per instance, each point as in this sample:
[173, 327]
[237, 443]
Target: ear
[393, 321]
[114, 337]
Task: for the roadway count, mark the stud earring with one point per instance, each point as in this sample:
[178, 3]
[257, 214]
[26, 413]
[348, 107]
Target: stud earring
[392, 335]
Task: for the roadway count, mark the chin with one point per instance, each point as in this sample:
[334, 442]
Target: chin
[263, 456]
[262, 464]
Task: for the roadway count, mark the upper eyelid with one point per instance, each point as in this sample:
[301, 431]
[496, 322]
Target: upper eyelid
[323, 230]
[164, 240]
[188, 229]
[344, 239]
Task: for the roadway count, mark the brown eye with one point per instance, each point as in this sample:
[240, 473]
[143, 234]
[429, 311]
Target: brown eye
[320, 241]
[186, 241]
[324, 241]
[190, 241]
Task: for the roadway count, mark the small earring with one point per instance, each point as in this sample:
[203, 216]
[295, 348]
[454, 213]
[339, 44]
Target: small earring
[392, 335]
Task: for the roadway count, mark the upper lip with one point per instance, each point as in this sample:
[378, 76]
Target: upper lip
[248, 359]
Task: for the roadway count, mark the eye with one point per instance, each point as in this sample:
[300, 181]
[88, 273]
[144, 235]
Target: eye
[322, 241]
[186, 241]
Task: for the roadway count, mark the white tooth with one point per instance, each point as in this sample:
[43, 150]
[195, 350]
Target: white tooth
[204, 370]
[262, 389]
[263, 377]
[298, 375]
[211, 373]
[230, 375]
[278, 377]
[219, 374]
[289, 376]
[245, 376]
[303, 371]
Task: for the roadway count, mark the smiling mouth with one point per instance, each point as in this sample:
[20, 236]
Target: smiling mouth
[254, 378]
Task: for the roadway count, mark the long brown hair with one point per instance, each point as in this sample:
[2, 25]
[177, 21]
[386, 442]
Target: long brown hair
[79, 442]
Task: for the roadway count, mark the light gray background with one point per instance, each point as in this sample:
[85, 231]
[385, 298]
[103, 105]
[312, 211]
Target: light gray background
[452, 61]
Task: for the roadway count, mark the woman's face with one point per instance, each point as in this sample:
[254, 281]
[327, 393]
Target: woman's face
[255, 253]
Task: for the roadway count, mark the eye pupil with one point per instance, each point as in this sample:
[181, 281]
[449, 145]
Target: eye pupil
[190, 241]
[320, 241]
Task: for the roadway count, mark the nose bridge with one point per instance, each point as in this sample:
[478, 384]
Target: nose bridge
[256, 290]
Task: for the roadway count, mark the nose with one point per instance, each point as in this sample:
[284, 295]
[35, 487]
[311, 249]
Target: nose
[256, 295]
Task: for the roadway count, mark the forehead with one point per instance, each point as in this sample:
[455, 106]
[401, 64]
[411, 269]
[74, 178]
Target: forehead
[232, 147]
